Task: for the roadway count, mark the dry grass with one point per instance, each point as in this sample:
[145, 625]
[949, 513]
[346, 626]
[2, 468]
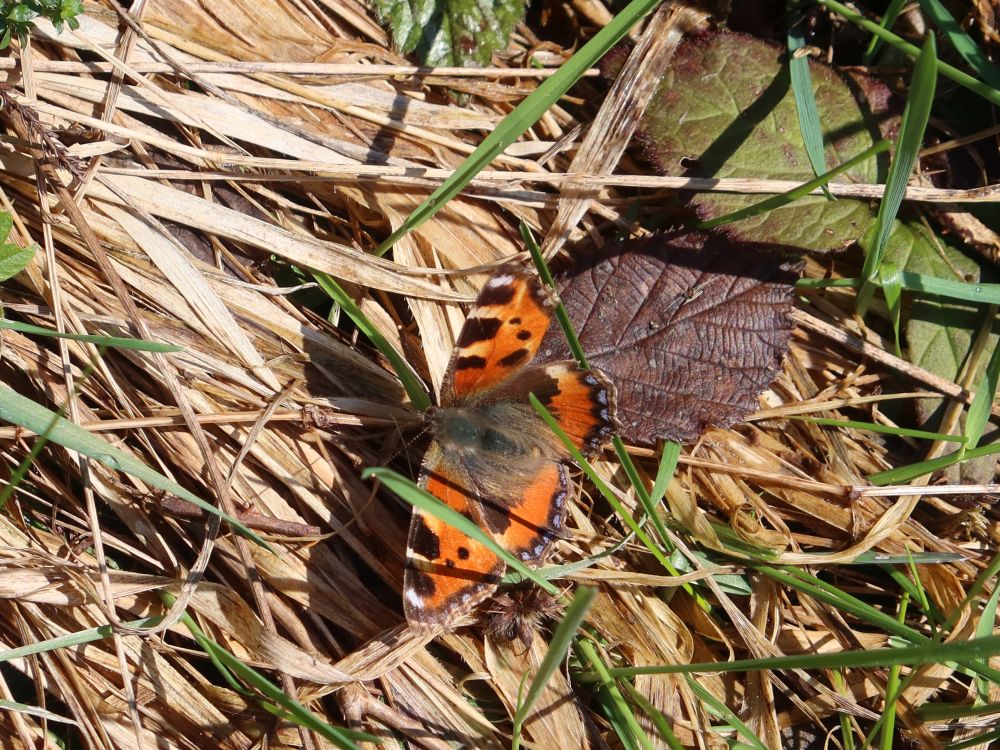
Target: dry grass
[201, 183]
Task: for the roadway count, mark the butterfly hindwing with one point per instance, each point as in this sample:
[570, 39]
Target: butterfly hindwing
[526, 525]
[447, 573]
[582, 401]
[501, 335]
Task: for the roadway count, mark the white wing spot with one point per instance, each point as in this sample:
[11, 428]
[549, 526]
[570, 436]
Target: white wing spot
[503, 280]
[414, 598]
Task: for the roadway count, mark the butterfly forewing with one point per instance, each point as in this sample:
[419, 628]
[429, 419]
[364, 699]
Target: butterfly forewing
[501, 335]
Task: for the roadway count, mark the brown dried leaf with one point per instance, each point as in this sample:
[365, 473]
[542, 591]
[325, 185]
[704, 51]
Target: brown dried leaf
[690, 327]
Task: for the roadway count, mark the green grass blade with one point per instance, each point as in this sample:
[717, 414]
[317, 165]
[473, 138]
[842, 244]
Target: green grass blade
[420, 498]
[911, 135]
[987, 294]
[525, 115]
[20, 410]
[805, 103]
[72, 640]
[777, 201]
[962, 42]
[603, 488]
[103, 341]
[904, 474]
[880, 428]
[982, 293]
[289, 709]
[665, 471]
[888, 19]
[411, 382]
[626, 726]
[580, 356]
[661, 722]
[559, 646]
[888, 717]
[726, 714]
[948, 71]
[986, 392]
[976, 649]
[575, 347]
[889, 281]
[985, 626]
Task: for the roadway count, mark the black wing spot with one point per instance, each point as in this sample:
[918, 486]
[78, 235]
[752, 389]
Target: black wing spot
[478, 329]
[514, 358]
[515, 321]
[496, 295]
[524, 334]
[463, 553]
[470, 363]
[495, 516]
[423, 584]
[424, 541]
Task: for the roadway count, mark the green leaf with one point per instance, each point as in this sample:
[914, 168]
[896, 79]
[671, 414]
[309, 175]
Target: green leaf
[451, 32]
[939, 332]
[727, 109]
[14, 259]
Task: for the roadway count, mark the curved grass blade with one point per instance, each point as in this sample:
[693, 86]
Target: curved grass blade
[948, 71]
[961, 41]
[726, 713]
[283, 706]
[888, 19]
[904, 474]
[616, 708]
[411, 382]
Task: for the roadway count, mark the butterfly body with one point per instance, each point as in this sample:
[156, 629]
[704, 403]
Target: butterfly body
[493, 459]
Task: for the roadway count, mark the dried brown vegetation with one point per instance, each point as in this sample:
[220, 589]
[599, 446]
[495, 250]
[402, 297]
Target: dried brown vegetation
[185, 185]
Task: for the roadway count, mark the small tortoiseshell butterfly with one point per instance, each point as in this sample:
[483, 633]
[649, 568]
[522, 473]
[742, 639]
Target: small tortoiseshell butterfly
[492, 458]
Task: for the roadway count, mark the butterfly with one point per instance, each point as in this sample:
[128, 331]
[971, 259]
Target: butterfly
[492, 458]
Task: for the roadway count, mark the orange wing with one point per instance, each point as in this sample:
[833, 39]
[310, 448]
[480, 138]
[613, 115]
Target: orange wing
[501, 335]
[526, 525]
[447, 573]
[582, 401]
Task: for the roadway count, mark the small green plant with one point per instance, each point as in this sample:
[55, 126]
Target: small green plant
[19, 17]
[13, 258]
